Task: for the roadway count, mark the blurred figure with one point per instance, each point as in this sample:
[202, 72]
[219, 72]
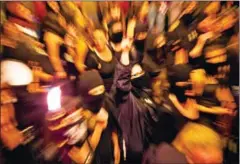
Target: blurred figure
[114, 15]
[194, 144]
[156, 48]
[54, 31]
[138, 19]
[103, 143]
[132, 95]
[157, 15]
[100, 57]
[15, 136]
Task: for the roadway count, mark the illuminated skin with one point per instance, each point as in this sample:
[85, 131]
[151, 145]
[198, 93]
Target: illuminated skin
[99, 40]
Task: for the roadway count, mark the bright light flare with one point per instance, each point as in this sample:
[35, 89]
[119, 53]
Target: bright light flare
[54, 99]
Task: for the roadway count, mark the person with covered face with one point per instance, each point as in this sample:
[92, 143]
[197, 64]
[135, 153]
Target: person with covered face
[131, 93]
[103, 142]
[113, 16]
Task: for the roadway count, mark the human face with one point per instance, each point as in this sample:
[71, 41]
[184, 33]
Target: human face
[99, 40]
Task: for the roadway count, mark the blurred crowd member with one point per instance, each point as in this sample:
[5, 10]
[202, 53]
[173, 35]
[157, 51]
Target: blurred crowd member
[102, 9]
[149, 69]
[194, 144]
[134, 103]
[116, 35]
[89, 9]
[27, 50]
[13, 138]
[138, 19]
[100, 57]
[156, 47]
[113, 16]
[103, 142]
[55, 29]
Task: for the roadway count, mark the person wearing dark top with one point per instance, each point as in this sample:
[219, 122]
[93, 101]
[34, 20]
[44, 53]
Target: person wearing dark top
[210, 96]
[100, 57]
[104, 140]
[181, 113]
[137, 115]
[27, 51]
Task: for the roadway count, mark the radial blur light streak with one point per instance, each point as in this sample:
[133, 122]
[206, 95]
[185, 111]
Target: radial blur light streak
[54, 99]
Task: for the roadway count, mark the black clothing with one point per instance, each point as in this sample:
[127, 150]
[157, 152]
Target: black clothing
[139, 28]
[26, 54]
[68, 62]
[87, 81]
[186, 35]
[208, 99]
[106, 69]
[104, 152]
[115, 36]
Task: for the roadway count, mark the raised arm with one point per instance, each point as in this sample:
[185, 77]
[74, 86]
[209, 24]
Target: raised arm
[197, 50]
[53, 43]
[190, 113]
[130, 28]
[79, 59]
[214, 110]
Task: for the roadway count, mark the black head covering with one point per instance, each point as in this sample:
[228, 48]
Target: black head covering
[140, 44]
[87, 81]
[115, 37]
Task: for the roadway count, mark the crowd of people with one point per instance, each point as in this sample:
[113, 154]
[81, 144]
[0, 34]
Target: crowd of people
[158, 81]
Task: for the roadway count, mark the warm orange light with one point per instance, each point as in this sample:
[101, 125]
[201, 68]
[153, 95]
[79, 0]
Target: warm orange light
[54, 99]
